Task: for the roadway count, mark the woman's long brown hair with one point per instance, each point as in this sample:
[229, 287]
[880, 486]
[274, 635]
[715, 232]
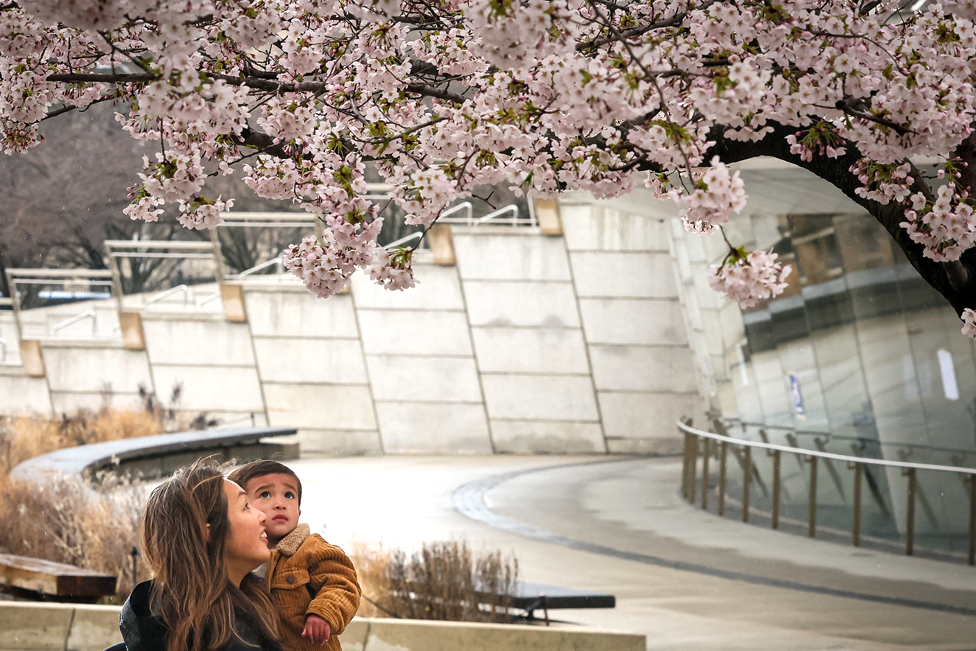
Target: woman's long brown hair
[191, 591]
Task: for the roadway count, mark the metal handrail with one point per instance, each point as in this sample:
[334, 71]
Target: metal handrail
[88, 314]
[824, 455]
[176, 245]
[170, 292]
[832, 437]
[3, 350]
[501, 211]
[466, 206]
[857, 464]
[267, 219]
[404, 240]
[60, 273]
[257, 268]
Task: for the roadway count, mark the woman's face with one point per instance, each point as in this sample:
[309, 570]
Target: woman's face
[247, 545]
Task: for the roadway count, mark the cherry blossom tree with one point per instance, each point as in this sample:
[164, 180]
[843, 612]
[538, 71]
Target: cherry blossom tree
[442, 96]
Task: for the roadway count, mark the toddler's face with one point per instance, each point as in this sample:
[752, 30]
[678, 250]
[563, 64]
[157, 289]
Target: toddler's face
[277, 496]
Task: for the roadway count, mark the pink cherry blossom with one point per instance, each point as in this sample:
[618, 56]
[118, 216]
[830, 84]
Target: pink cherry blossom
[749, 278]
[969, 323]
[307, 97]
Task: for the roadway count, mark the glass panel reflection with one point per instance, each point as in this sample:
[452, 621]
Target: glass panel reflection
[858, 356]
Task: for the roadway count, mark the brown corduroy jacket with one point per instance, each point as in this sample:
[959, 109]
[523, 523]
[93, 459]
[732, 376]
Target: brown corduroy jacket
[308, 576]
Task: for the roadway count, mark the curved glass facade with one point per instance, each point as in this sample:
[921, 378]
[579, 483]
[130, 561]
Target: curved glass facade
[858, 356]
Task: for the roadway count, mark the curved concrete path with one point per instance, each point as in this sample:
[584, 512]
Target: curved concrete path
[686, 579]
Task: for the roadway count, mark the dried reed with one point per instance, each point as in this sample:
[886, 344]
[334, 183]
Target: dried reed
[441, 581]
[64, 520]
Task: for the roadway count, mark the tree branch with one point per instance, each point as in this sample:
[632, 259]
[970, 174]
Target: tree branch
[942, 277]
[634, 32]
[269, 85]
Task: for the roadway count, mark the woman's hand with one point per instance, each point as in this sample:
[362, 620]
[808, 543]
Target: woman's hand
[317, 629]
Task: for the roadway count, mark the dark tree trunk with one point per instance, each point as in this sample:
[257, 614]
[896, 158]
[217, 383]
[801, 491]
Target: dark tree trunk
[953, 280]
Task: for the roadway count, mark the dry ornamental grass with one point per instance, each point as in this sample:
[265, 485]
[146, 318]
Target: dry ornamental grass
[65, 520]
[442, 581]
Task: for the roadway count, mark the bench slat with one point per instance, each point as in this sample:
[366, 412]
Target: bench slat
[55, 579]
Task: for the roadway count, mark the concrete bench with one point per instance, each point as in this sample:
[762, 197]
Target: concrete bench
[157, 456]
[38, 580]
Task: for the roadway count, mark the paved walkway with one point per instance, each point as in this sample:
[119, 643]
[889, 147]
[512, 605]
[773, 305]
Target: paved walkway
[686, 579]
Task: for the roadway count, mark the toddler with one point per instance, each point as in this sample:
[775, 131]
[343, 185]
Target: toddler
[312, 583]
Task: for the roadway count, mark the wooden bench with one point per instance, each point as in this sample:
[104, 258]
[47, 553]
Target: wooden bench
[37, 580]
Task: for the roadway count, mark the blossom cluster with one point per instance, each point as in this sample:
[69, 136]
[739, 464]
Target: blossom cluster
[946, 227]
[393, 271]
[969, 323]
[444, 96]
[201, 213]
[326, 263]
[749, 277]
[716, 196]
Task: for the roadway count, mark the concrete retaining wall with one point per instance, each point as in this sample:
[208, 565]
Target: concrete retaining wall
[530, 343]
[62, 627]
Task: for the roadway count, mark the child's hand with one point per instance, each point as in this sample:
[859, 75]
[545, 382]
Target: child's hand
[317, 629]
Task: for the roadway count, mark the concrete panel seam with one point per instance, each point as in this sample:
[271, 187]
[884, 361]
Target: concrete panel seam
[622, 251]
[427, 402]
[193, 365]
[534, 374]
[419, 355]
[67, 634]
[88, 393]
[544, 420]
[518, 281]
[662, 392]
[419, 310]
[523, 327]
[656, 299]
[663, 346]
[286, 383]
[305, 337]
[369, 380]
[474, 357]
[586, 345]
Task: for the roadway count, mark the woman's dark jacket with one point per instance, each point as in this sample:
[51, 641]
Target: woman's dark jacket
[143, 631]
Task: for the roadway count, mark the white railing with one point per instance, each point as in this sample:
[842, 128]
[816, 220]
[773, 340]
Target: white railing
[169, 292]
[703, 445]
[404, 240]
[88, 314]
[447, 216]
[260, 267]
[450, 216]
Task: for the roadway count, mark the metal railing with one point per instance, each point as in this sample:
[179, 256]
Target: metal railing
[45, 277]
[165, 250]
[450, 216]
[305, 221]
[904, 450]
[87, 314]
[404, 240]
[694, 439]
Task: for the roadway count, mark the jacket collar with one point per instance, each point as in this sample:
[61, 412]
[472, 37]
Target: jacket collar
[290, 543]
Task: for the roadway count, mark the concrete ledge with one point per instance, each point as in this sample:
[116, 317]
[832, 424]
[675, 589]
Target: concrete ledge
[27, 626]
[157, 455]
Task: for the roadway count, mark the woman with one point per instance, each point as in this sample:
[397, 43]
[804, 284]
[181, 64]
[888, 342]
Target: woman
[201, 538]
